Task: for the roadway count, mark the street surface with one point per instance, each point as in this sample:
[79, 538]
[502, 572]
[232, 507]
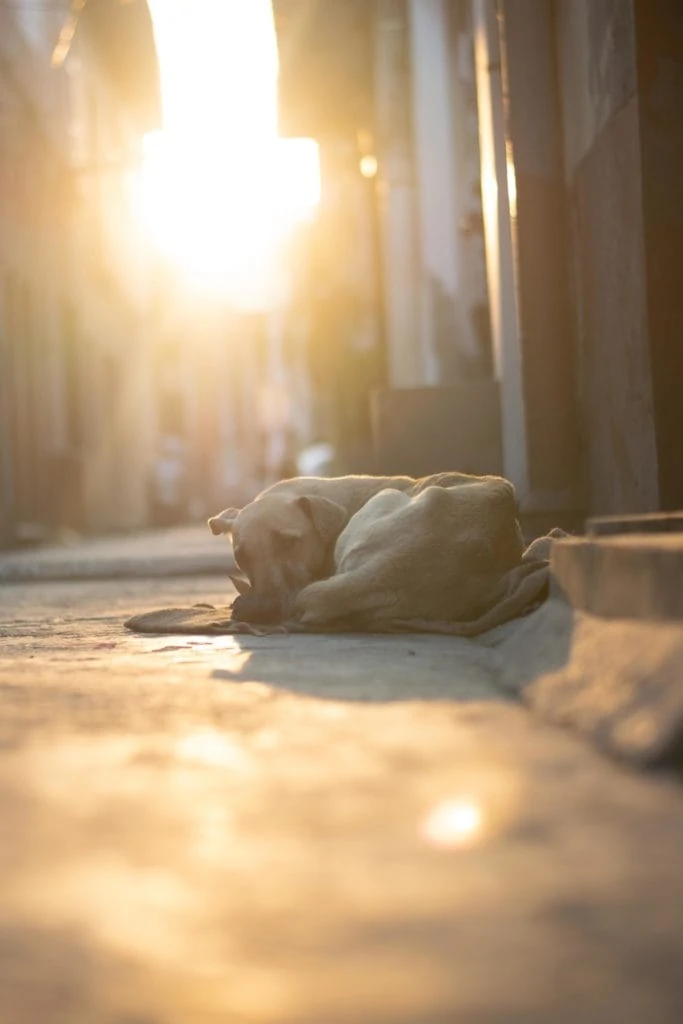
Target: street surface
[310, 830]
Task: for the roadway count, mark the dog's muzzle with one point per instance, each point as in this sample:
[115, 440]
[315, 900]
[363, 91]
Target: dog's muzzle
[247, 608]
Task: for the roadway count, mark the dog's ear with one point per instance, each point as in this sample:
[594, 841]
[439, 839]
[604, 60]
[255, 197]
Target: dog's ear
[327, 517]
[222, 523]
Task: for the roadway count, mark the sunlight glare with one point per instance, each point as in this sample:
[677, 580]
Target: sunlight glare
[453, 823]
[212, 748]
[511, 182]
[368, 166]
[219, 193]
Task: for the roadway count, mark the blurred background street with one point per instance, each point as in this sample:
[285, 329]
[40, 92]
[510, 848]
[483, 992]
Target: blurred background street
[244, 240]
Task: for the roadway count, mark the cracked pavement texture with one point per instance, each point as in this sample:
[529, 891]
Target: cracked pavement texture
[310, 830]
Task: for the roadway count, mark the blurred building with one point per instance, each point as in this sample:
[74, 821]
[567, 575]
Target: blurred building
[583, 141]
[75, 391]
[401, 308]
[529, 220]
[491, 283]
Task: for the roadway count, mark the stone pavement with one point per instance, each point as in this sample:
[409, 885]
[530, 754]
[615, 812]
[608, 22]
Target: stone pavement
[310, 830]
[181, 551]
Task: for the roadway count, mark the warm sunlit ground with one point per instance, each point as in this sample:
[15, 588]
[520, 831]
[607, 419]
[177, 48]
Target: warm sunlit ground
[219, 192]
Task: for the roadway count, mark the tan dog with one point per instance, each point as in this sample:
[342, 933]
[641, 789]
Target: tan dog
[285, 538]
[450, 555]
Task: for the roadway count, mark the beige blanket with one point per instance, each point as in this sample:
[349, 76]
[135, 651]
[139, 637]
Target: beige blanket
[445, 560]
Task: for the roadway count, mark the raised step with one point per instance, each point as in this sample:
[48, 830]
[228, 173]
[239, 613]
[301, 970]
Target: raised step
[626, 568]
[653, 522]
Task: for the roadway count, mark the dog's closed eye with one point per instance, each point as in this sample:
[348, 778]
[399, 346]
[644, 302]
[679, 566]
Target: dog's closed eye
[286, 541]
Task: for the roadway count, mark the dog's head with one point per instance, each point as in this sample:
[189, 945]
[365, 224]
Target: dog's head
[281, 544]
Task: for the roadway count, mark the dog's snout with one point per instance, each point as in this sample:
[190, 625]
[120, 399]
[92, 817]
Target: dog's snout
[247, 608]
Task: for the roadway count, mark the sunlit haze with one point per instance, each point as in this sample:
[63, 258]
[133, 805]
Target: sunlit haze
[219, 192]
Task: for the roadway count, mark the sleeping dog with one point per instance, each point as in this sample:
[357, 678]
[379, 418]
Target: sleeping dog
[284, 539]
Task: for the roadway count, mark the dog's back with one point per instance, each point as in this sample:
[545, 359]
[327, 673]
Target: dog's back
[441, 553]
[351, 492]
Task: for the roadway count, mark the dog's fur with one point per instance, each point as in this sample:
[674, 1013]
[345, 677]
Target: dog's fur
[452, 555]
[285, 539]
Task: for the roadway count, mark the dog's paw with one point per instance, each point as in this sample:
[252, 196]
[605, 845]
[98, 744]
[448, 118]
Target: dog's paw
[307, 605]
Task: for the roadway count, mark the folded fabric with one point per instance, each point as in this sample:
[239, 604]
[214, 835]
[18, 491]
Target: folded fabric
[197, 620]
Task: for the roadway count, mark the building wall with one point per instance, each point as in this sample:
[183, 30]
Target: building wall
[596, 44]
[111, 298]
[35, 264]
[74, 447]
[659, 35]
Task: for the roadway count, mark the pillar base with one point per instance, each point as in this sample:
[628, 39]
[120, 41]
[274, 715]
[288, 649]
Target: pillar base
[419, 431]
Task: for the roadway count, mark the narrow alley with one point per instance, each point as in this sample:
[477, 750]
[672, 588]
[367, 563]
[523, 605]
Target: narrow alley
[341, 512]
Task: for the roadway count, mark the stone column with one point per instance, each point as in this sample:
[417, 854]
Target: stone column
[406, 363]
[659, 62]
[447, 335]
[498, 199]
[540, 240]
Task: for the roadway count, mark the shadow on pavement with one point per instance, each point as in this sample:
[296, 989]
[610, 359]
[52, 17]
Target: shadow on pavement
[369, 669]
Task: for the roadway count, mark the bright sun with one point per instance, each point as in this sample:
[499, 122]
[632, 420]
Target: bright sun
[219, 192]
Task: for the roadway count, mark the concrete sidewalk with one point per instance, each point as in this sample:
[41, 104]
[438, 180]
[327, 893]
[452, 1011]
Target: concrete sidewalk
[310, 830]
[180, 551]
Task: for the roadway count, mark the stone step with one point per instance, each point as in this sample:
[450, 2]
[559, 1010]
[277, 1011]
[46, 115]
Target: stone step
[622, 575]
[654, 522]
